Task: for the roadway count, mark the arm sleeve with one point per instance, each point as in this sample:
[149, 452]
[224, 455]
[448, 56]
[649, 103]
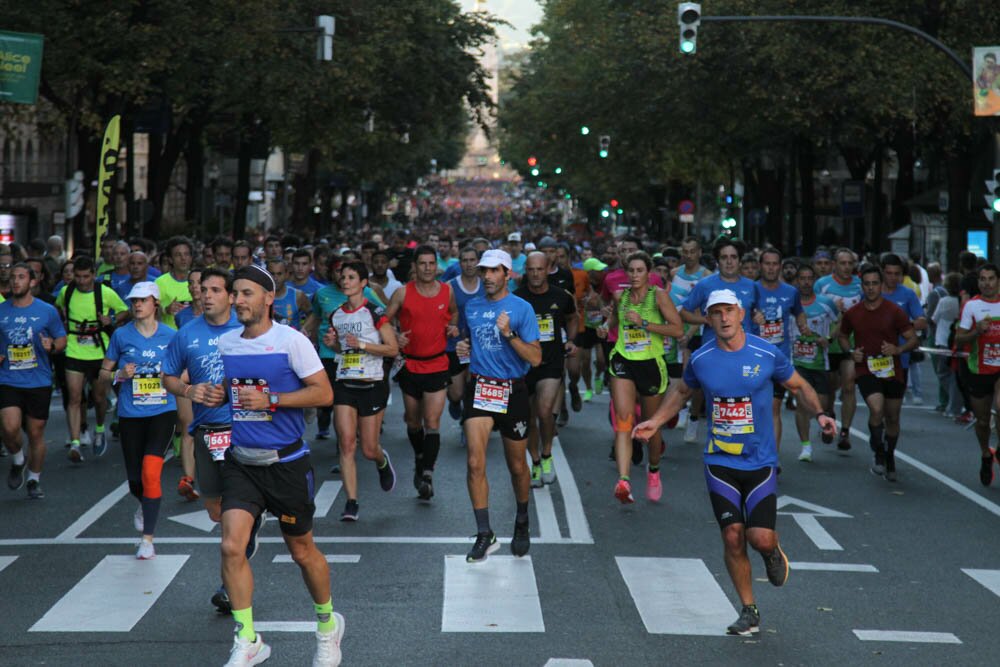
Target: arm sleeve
[302, 356]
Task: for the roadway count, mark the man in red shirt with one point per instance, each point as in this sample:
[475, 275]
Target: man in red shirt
[877, 324]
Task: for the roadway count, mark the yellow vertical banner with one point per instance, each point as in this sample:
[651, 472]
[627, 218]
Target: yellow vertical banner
[108, 167]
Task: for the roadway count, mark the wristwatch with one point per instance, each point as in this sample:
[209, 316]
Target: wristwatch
[272, 401]
[645, 324]
[512, 335]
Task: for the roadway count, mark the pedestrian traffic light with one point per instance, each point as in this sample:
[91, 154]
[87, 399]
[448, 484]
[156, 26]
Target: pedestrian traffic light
[532, 161]
[689, 18]
[993, 192]
[584, 130]
[605, 144]
[728, 223]
[614, 203]
[605, 213]
[558, 170]
[534, 172]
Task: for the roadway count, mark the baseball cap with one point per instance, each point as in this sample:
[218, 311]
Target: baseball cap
[594, 264]
[494, 258]
[725, 296]
[514, 237]
[530, 246]
[547, 242]
[144, 289]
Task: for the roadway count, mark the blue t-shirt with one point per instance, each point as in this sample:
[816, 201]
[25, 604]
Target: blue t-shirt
[310, 287]
[461, 298]
[780, 307]
[124, 286]
[739, 388]
[26, 363]
[286, 309]
[144, 395]
[452, 271]
[909, 303]
[195, 349]
[744, 288]
[492, 356]
[114, 280]
[272, 362]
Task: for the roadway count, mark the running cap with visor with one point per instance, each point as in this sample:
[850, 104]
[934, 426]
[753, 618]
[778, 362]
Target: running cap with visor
[494, 258]
[722, 296]
[142, 290]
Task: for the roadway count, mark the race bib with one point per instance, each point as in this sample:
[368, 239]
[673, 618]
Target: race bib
[351, 366]
[218, 442]
[21, 357]
[463, 359]
[546, 329]
[991, 355]
[240, 413]
[773, 331]
[732, 416]
[593, 318]
[147, 389]
[636, 339]
[491, 395]
[881, 367]
[86, 341]
[668, 346]
[804, 350]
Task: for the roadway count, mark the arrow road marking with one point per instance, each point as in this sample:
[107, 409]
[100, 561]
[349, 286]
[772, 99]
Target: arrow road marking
[809, 523]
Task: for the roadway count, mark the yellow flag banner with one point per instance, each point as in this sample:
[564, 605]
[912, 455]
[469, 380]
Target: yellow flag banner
[109, 164]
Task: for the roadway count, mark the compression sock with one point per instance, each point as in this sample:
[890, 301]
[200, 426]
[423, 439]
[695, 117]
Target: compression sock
[150, 513]
[18, 458]
[244, 624]
[653, 469]
[877, 438]
[99, 428]
[482, 520]
[522, 513]
[890, 442]
[806, 443]
[432, 445]
[325, 622]
[416, 438]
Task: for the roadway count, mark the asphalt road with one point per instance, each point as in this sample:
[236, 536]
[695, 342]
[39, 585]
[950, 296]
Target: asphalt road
[882, 573]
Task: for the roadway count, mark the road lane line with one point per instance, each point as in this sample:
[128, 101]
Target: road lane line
[576, 518]
[498, 595]
[112, 597]
[815, 532]
[548, 525]
[319, 539]
[833, 567]
[330, 558]
[5, 561]
[907, 636]
[961, 489]
[285, 626]
[988, 578]
[328, 492]
[89, 517]
[676, 596]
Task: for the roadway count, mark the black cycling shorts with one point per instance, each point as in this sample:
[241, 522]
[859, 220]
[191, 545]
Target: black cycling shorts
[981, 385]
[820, 380]
[456, 367]
[891, 388]
[587, 338]
[543, 372]
[749, 497]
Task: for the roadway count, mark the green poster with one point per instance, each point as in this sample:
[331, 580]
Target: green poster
[20, 66]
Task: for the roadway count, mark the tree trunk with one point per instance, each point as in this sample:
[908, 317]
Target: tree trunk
[194, 194]
[807, 184]
[878, 209]
[162, 160]
[959, 174]
[242, 187]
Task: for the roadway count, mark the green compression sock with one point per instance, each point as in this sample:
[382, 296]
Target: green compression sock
[325, 621]
[99, 428]
[244, 623]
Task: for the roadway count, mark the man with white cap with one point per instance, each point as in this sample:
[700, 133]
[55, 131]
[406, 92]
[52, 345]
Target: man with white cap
[736, 370]
[517, 258]
[503, 344]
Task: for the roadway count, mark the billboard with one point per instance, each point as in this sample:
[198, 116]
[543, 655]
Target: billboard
[20, 66]
[986, 80]
[977, 242]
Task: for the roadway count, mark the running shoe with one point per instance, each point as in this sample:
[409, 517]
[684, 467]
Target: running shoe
[599, 384]
[328, 645]
[776, 564]
[350, 512]
[15, 478]
[691, 431]
[878, 465]
[100, 444]
[563, 417]
[323, 434]
[966, 417]
[221, 601]
[253, 544]
[185, 487]
[145, 551]
[35, 490]
[85, 438]
[588, 396]
[455, 410]
[826, 438]
[623, 491]
[335, 469]
[574, 399]
[682, 417]
[75, 455]
[654, 488]
[486, 543]
[806, 454]
[986, 470]
[918, 400]
[548, 470]
[425, 491]
[521, 541]
[844, 443]
[748, 623]
[246, 653]
[536, 476]
[636, 451]
[386, 474]
[418, 477]
[137, 520]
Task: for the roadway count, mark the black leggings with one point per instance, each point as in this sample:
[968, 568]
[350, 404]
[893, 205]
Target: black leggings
[144, 443]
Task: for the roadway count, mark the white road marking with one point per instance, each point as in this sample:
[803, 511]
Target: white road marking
[961, 489]
[328, 492]
[819, 510]
[988, 578]
[5, 561]
[198, 519]
[94, 513]
[810, 525]
[833, 567]
[676, 596]
[568, 662]
[498, 595]
[548, 525]
[907, 636]
[319, 539]
[112, 597]
[285, 626]
[330, 558]
[576, 518]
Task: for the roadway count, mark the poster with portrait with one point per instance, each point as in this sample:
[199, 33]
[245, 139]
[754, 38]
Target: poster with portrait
[986, 80]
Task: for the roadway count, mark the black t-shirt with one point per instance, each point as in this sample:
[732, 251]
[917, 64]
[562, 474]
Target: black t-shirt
[551, 309]
[970, 284]
[404, 259]
[562, 278]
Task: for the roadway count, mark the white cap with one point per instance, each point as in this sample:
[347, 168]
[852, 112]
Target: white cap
[494, 258]
[726, 296]
[514, 237]
[144, 289]
[530, 246]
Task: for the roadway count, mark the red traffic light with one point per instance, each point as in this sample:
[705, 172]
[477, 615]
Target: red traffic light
[532, 161]
[614, 203]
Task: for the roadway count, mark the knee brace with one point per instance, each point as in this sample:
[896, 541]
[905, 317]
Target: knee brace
[624, 424]
[152, 468]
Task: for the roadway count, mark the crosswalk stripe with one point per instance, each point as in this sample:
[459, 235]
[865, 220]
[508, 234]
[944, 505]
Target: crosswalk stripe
[498, 595]
[330, 558]
[832, 567]
[988, 578]
[112, 597]
[285, 626]
[676, 596]
[324, 500]
[568, 662]
[907, 636]
[548, 525]
[5, 561]
[96, 511]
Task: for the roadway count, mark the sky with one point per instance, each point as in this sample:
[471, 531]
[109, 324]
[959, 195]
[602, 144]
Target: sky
[521, 13]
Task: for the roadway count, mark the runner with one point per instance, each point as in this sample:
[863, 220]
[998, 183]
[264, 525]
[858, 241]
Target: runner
[146, 412]
[30, 331]
[503, 344]
[272, 372]
[555, 311]
[242, 255]
[809, 352]
[302, 279]
[291, 306]
[173, 284]
[643, 316]
[737, 371]
[362, 335]
[222, 253]
[894, 290]
[464, 287]
[979, 328]
[120, 272]
[876, 324]
[428, 316]
[587, 342]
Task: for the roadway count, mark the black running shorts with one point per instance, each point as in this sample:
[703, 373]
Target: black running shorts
[286, 490]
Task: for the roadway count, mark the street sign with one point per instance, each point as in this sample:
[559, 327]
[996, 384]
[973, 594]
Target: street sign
[986, 80]
[685, 206]
[20, 66]
[757, 217]
[687, 217]
[852, 199]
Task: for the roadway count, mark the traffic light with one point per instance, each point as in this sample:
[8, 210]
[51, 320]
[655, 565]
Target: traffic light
[584, 130]
[532, 161]
[534, 172]
[558, 170]
[605, 213]
[605, 143]
[728, 223]
[614, 203]
[689, 18]
[993, 194]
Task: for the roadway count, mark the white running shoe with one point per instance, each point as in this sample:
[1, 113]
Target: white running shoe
[86, 439]
[246, 653]
[137, 522]
[691, 431]
[328, 645]
[145, 551]
[682, 418]
[806, 454]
